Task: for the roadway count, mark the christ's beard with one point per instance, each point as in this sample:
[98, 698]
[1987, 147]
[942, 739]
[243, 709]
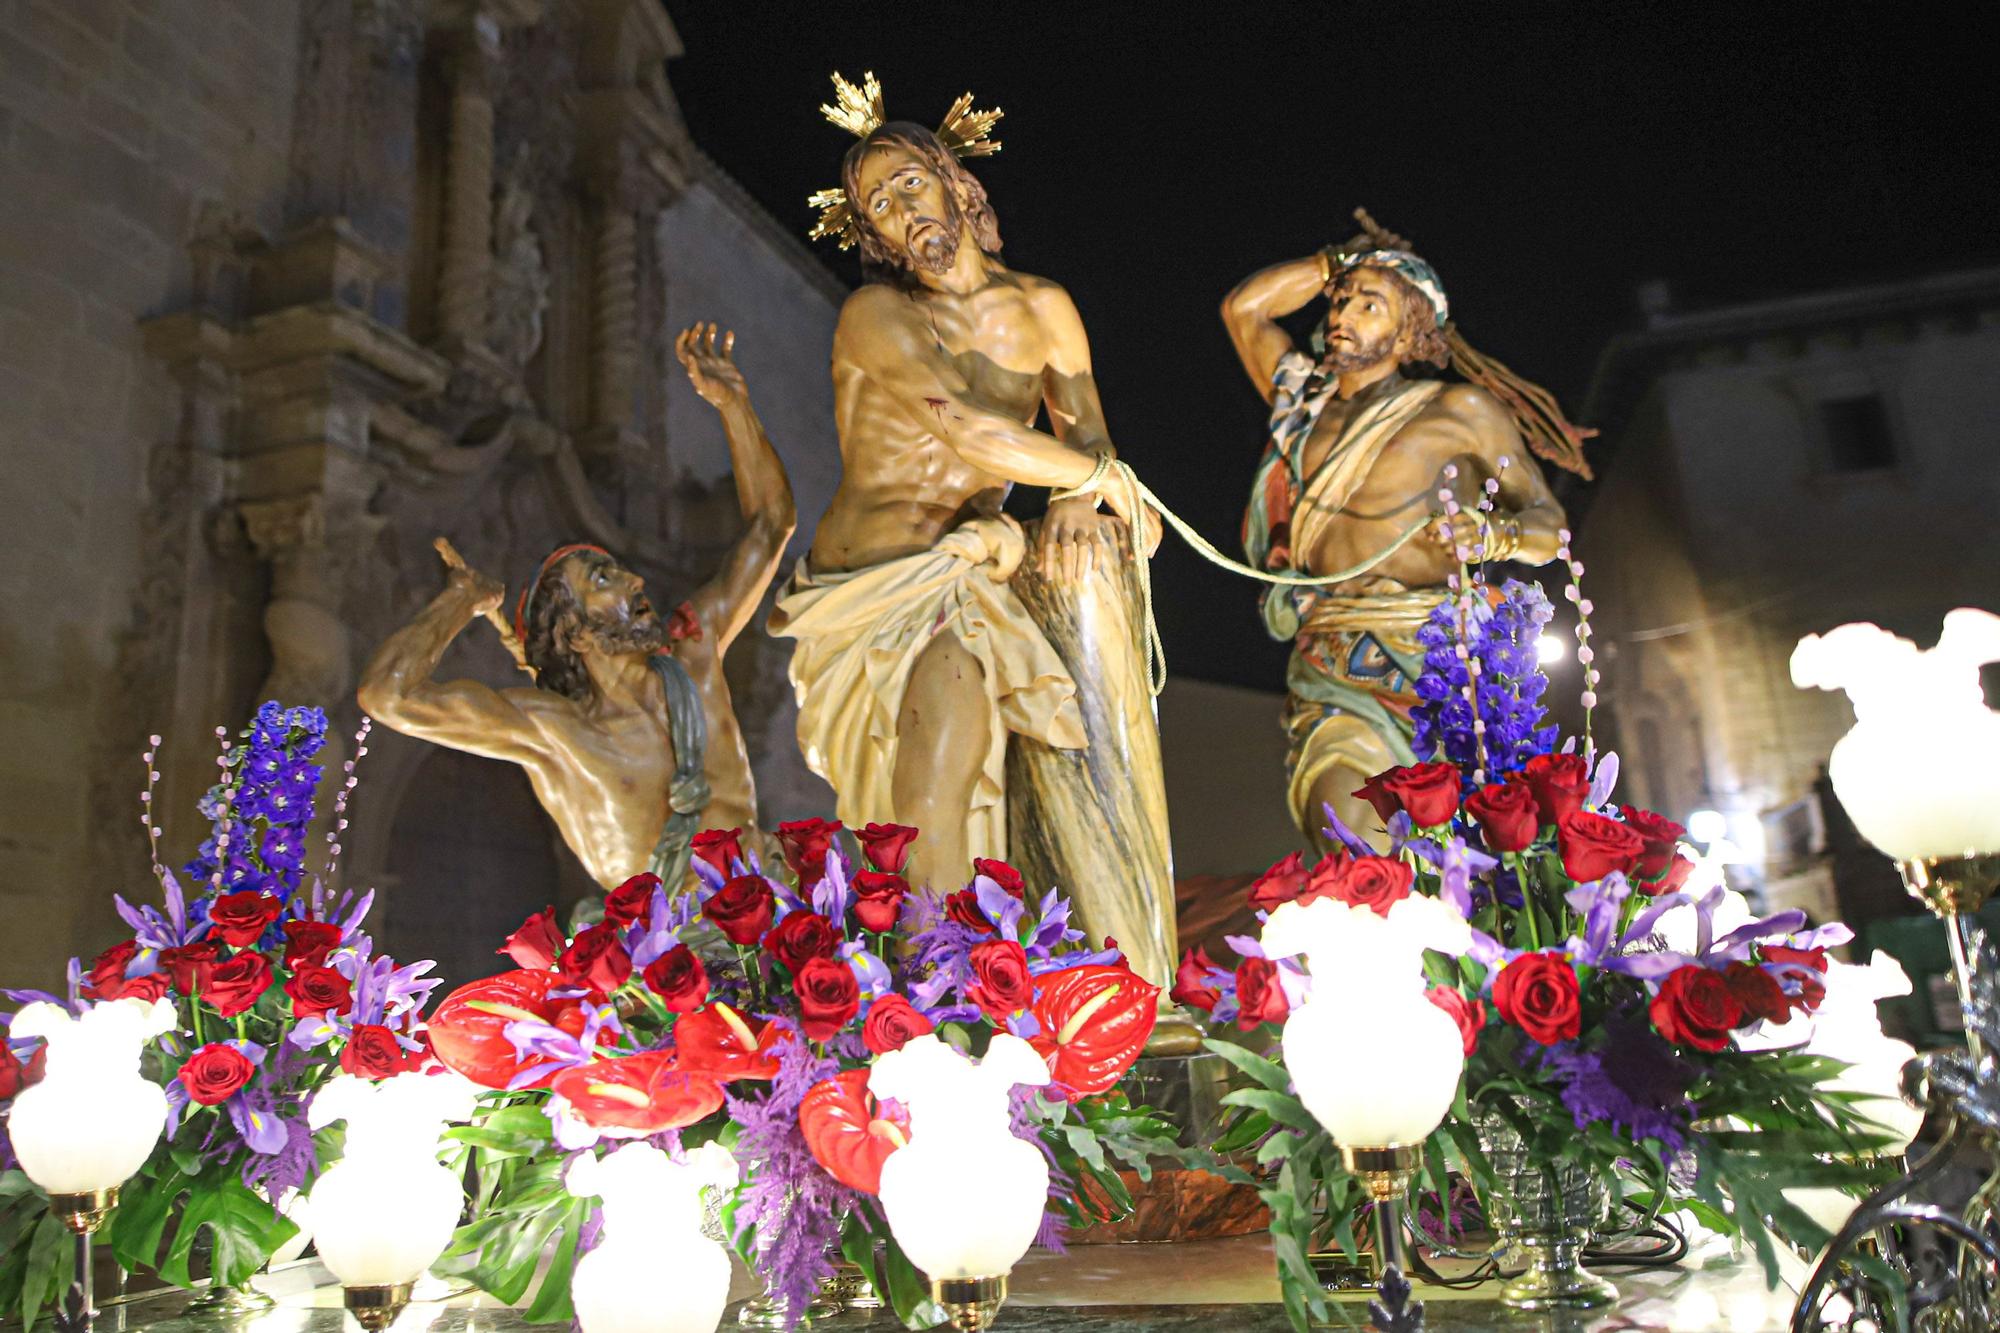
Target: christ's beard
[613, 637]
[938, 250]
[1343, 359]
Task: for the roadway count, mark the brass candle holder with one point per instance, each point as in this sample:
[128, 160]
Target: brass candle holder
[1955, 888]
[376, 1307]
[83, 1213]
[1388, 1171]
[971, 1304]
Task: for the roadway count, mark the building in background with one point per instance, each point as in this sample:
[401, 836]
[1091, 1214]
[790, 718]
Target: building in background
[286, 290]
[1771, 470]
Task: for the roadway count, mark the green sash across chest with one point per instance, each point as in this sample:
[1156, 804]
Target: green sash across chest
[688, 795]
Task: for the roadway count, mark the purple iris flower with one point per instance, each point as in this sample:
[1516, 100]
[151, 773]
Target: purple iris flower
[1458, 864]
[251, 1108]
[543, 1049]
[157, 930]
[833, 895]
[659, 931]
[1337, 829]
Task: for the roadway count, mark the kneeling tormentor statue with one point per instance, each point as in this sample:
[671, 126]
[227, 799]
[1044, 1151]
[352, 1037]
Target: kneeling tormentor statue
[1355, 456]
[629, 736]
[918, 657]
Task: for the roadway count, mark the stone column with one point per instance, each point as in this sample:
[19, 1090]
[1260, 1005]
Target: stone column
[466, 271]
[614, 342]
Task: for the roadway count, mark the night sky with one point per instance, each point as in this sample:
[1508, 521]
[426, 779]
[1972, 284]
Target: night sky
[1545, 158]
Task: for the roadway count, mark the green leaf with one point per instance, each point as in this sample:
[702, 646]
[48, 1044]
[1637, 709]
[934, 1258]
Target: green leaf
[1266, 1072]
[552, 1304]
[51, 1267]
[243, 1227]
[141, 1219]
[1086, 1146]
[908, 1292]
[1285, 1110]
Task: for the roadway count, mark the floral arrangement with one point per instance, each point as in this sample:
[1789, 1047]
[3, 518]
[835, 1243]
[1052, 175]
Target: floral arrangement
[1604, 1015]
[276, 988]
[745, 1013]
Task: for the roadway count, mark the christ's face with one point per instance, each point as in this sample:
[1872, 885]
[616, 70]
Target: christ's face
[616, 617]
[901, 196]
[1363, 320]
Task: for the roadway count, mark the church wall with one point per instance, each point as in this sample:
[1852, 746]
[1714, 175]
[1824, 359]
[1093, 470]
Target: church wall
[117, 120]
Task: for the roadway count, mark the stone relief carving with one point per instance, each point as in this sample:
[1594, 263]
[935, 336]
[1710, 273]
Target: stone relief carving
[520, 290]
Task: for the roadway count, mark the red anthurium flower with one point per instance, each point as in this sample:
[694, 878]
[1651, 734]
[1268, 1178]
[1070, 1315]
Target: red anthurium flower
[240, 918]
[720, 847]
[726, 1046]
[878, 899]
[847, 1131]
[1002, 874]
[805, 842]
[1280, 884]
[1191, 982]
[638, 1095]
[305, 942]
[1661, 836]
[469, 1029]
[630, 900]
[1593, 846]
[1095, 1021]
[537, 944]
[887, 845]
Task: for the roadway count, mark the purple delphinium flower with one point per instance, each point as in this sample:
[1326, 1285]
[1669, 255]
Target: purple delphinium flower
[1634, 1082]
[790, 1202]
[1502, 638]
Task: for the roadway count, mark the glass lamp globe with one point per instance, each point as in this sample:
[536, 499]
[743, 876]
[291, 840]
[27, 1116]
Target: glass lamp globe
[387, 1209]
[963, 1197]
[92, 1121]
[654, 1272]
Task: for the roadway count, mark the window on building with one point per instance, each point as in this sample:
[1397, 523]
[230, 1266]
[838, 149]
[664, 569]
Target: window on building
[1858, 437]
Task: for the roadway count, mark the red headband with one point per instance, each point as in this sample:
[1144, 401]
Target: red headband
[527, 597]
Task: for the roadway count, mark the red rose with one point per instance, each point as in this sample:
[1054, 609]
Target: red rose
[109, 968]
[741, 909]
[307, 942]
[720, 847]
[1259, 997]
[679, 979]
[800, 938]
[805, 842]
[1676, 876]
[1374, 882]
[1191, 982]
[1004, 986]
[537, 943]
[235, 985]
[14, 1075]
[638, 1095]
[242, 918]
[214, 1073]
[963, 907]
[1428, 792]
[1470, 1015]
[151, 987]
[596, 960]
[893, 1020]
[1002, 874]
[1757, 992]
[1560, 782]
[828, 997]
[1661, 837]
[1507, 815]
[1695, 1008]
[1324, 877]
[188, 965]
[887, 846]
[1280, 884]
[1376, 793]
[372, 1051]
[1812, 984]
[1593, 846]
[878, 899]
[1537, 993]
[630, 900]
[318, 990]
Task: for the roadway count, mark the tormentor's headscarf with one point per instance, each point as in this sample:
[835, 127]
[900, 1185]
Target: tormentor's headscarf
[1413, 270]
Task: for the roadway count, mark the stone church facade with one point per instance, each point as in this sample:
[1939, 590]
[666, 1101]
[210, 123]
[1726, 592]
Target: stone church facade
[287, 290]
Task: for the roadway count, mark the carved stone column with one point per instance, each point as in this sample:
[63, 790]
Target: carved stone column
[466, 270]
[614, 342]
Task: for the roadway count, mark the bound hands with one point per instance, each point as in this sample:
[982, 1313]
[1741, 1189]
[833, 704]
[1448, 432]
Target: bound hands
[711, 369]
[483, 596]
[1074, 537]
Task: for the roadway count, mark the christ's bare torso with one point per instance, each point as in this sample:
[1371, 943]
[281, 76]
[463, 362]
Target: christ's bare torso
[903, 487]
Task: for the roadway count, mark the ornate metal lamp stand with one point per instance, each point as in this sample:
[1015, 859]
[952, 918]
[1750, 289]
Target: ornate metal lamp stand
[83, 1214]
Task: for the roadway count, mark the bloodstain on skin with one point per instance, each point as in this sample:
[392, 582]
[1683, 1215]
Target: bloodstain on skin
[937, 405]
